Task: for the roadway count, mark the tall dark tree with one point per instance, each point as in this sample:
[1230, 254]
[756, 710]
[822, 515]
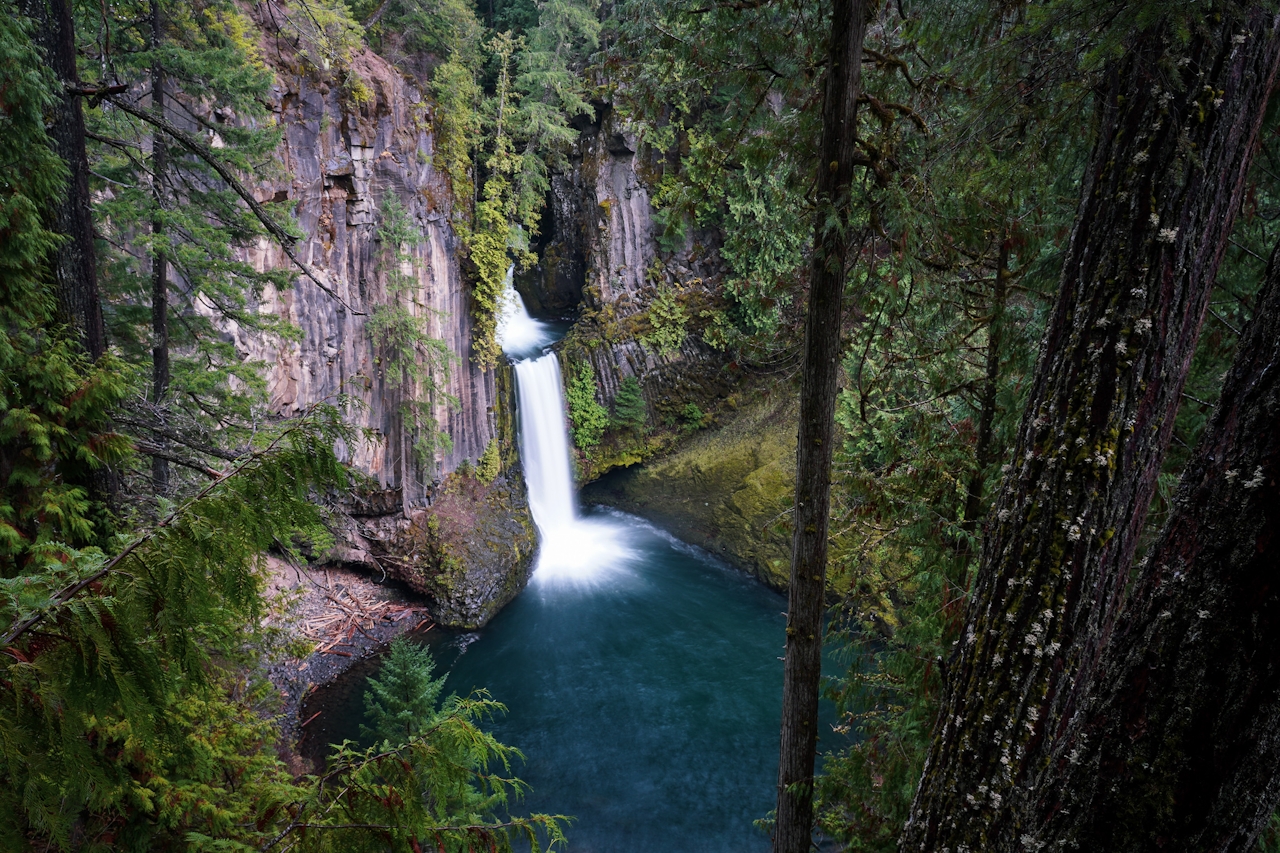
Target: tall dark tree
[1179, 118]
[1173, 741]
[805, 605]
[73, 265]
[160, 260]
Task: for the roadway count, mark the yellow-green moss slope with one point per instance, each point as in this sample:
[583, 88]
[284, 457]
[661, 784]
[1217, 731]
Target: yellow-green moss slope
[729, 490]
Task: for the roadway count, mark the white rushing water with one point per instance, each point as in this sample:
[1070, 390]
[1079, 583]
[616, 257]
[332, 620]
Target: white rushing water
[571, 548]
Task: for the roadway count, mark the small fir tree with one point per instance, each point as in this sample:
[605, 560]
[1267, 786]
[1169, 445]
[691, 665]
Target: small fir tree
[628, 406]
[404, 700]
[588, 417]
[489, 465]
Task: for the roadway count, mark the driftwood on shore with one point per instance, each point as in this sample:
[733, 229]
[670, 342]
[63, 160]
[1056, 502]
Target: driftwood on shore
[346, 611]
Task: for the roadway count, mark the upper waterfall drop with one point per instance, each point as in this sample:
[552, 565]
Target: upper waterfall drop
[570, 547]
[519, 335]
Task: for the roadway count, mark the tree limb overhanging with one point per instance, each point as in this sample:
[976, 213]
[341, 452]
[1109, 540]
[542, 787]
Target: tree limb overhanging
[283, 237]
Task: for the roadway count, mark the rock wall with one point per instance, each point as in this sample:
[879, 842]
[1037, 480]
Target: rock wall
[602, 260]
[338, 161]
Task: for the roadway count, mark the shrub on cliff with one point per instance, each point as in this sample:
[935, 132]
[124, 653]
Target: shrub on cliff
[589, 418]
[628, 406]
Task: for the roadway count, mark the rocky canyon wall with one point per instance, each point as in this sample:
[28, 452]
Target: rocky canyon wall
[602, 260]
[338, 162]
[602, 263]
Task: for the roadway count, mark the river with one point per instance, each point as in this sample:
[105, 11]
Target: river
[642, 676]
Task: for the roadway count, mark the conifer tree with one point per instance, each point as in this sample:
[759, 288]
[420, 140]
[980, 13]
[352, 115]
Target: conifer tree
[413, 362]
[175, 284]
[628, 406]
[403, 700]
[54, 426]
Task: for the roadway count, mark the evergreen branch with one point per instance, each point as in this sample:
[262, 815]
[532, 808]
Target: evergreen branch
[69, 592]
[282, 237]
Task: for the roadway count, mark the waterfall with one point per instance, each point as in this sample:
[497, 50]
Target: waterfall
[570, 547]
[544, 443]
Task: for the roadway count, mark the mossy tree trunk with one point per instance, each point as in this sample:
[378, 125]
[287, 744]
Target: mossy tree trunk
[832, 239]
[1178, 124]
[1175, 742]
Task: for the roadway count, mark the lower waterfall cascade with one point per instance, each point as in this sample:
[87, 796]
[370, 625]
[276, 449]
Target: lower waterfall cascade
[571, 547]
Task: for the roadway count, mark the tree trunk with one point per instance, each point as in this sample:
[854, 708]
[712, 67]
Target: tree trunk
[1160, 194]
[987, 407]
[1176, 744]
[802, 669]
[73, 263]
[159, 260]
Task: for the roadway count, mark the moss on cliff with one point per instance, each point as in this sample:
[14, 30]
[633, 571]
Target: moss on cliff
[729, 490]
[470, 552]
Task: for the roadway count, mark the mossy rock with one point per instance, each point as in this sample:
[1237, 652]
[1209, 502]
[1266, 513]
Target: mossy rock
[470, 552]
[729, 490]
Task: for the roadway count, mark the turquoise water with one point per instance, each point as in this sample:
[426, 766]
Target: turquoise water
[646, 701]
[645, 695]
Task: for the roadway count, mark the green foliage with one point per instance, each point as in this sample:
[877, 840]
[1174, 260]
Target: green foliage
[589, 418]
[444, 29]
[445, 756]
[55, 432]
[157, 206]
[413, 362]
[436, 788]
[667, 319]
[107, 651]
[402, 701]
[457, 124]
[766, 248]
[326, 35]
[628, 406]
[693, 416]
[489, 465]
[523, 130]
[553, 91]
[495, 214]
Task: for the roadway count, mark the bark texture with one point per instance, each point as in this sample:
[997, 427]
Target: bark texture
[159, 260]
[74, 271]
[1178, 123]
[802, 670]
[1176, 742]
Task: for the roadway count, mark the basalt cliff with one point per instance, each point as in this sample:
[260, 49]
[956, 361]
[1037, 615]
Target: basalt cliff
[429, 519]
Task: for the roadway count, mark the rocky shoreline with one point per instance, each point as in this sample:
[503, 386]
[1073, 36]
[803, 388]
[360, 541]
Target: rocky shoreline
[348, 618]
